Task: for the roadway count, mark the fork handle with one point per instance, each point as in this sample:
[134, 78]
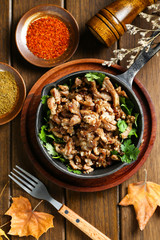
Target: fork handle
[82, 224]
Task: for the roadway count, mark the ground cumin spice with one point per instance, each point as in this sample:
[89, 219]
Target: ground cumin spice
[47, 37]
[8, 92]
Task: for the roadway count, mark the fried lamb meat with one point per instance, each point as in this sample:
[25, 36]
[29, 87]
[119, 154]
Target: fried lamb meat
[85, 116]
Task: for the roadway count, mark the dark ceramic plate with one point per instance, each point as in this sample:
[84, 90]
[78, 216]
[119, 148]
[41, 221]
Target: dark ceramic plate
[99, 172]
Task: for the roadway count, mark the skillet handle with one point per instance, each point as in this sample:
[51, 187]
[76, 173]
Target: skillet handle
[144, 56]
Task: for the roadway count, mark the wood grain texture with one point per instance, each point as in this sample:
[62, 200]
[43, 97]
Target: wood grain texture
[149, 76]
[30, 74]
[5, 142]
[32, 148]
[101, 208]
[90, 47]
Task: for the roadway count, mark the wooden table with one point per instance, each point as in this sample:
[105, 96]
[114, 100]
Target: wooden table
[100, 208]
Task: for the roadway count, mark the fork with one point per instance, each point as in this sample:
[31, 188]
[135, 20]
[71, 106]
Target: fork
[37, 189]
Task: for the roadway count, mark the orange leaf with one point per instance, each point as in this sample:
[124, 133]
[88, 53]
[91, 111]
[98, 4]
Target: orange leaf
[26, 222]
[145, 196]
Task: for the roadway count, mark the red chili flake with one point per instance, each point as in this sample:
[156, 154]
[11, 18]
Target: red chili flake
[47, 37]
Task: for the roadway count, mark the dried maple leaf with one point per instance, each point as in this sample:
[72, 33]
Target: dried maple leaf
[2, 233]
[145, 196]
[26, 222]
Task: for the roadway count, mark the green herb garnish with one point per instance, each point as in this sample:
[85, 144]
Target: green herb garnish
[122, 126]
[44, 99]
[133, 132]
[129, 150]
[73, 170]
[50, 149]
[98, 77]
[42, 134]
[126, 105]
[136, 118]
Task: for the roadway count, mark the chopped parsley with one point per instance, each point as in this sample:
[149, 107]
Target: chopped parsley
[126, 105]
[98, 77]
[129, 150]
[122, 125]
[73, 170]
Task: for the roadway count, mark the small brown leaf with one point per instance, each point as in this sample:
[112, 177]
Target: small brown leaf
[145, 196]
[26, 222]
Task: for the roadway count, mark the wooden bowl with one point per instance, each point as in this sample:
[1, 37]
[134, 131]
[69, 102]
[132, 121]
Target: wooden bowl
[44, 11]
[21, 94]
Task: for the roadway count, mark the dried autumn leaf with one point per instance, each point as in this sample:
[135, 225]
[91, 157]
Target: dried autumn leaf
[2, 233]
[26, 222]
[145, 196]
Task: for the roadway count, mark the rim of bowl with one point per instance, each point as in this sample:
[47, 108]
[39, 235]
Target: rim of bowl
[28, 13]
[11, 115]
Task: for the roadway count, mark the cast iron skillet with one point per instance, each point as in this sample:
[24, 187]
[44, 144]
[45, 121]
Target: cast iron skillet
[125, 80]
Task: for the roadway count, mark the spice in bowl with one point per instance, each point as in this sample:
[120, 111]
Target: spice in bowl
[8, 92]
[47, 37]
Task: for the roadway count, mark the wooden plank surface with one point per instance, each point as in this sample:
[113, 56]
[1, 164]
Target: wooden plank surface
[100, 209]
[5, 143]
[149, 76]
[31, 74]
[97, 208]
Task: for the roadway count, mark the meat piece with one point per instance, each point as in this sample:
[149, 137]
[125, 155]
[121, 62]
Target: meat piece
[97, 94]
[106, 96]
[56, 94]
[59, 108]
[68, 151]
[64, 90]
[64, 100]
[88, 162]
[55, 130]
[74, 107]
[88, 101]
[130, 120]
[79, 97]
[87, 169]
[109, 118]
[75, 166]
[65, 123]
[78, 82]
[108, 126]
[103, 106]
[101, 134]
[75, 120]
[121, 92]
[107, 85]
[63, 87]
[56, 119]
[77, 159]
[52, 105]
[115, 158]
[95, 141]
[119, 114]
[90, 117]
[56, 133]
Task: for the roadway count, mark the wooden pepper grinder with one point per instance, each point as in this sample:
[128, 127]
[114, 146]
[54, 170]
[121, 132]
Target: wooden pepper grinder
[109, 23]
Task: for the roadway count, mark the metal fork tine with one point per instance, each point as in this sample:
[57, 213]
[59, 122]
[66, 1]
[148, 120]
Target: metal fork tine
[24, 182]
[28, 174]
[21, 185]
[26, 178]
